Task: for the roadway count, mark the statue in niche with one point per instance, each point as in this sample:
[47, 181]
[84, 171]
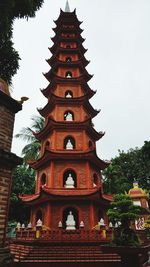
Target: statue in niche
[69, 182]
[68, 75]
[70, 222]
[69, 117]
[68, 95]
[69, 145]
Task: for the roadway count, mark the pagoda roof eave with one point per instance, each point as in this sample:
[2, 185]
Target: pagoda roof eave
[51, 155]
[107, 197]
[55, 62]
[50, 75]
[56, 81]
[52, 72]
[57, 38]
[55, 47]
[51, 125]
[67, 15]
[70, 50]
[61, 193]
[53, 100]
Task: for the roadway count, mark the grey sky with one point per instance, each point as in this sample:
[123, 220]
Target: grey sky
[117, 36]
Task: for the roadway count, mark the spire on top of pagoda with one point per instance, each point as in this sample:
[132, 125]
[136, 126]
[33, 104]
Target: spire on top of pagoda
[67, 8]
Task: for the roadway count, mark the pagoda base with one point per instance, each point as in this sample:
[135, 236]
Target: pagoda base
[46, 254]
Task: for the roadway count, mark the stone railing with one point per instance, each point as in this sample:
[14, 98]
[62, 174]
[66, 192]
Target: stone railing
[65, 235]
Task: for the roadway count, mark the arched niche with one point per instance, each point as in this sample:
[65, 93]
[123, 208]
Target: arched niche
[47, 145]
[68, 115]
[39, 215]
[43, 179]
[68, 74]
[68, 59]
[68, 46]
[69, 143]
[68, 94]
[67, 182]
[75, 214]
[95, 180]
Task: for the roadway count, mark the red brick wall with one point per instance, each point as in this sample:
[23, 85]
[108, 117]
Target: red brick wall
[62, 72]
[63, 57]
[58, 113]
[5, 183]
[76, 90]
[6, 128]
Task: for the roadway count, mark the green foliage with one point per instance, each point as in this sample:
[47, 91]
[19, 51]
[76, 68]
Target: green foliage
[9, 11]
[32, 149]
[122, 210]
[127, 167]
[23, 181]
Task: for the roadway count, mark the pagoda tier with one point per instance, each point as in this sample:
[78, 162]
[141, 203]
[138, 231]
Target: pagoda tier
[76, 101]
[50, 155]
[68, 51]
[52, 125]
[54, 194]
[68, 171]
[62, 79]
[66, 37]
[67, 18]
[61, 83]
[59, 44]
[59, 63]
[54, 61]
[52, 74]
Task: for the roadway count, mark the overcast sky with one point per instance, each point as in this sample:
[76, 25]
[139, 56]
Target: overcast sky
[117, 36]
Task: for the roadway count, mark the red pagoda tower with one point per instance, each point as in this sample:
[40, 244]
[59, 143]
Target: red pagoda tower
[68, 202]
[68, 170]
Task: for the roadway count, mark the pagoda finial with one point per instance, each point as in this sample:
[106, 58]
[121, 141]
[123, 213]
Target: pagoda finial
[67, 8]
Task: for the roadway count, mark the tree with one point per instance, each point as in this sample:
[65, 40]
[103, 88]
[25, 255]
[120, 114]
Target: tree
[9, 11]
[123, 212]
[32, 149]
[23, 181]
[127, 167]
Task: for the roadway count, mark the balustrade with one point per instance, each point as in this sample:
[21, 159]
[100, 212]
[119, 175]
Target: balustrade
[65, 235]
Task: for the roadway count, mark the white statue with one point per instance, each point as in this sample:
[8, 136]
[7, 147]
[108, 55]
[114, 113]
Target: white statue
[94, 185]
[60, 224]
[39, 223]
[69, 145]
[68, 75]
[68, 95]
[110, 225]
[81, 224]
[18, 226]
[70, 223]
[23, 226]
[101, 222]
[29, 226]
[69, 182]
[69, 117]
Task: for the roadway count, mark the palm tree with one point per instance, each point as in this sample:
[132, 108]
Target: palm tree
[32, 149]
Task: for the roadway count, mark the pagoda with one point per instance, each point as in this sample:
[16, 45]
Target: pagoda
[68, 204]
[68, 170]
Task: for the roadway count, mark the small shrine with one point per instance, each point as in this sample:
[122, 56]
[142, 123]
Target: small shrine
[139, 198]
